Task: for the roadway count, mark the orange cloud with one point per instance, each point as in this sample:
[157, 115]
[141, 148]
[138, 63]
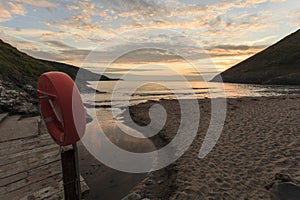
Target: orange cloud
[38, 3]
[10, 8]
[16, 8]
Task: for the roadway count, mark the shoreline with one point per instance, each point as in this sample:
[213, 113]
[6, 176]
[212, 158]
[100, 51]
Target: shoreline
[182, 179]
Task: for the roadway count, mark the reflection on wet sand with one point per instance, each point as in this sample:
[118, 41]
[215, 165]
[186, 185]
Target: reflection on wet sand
[105, 182]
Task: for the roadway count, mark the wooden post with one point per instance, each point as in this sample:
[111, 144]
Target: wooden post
[71, 175]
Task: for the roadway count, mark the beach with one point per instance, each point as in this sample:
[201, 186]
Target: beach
[259, 145]
[150, 100]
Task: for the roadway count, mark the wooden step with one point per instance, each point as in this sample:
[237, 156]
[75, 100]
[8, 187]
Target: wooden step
[30, 161]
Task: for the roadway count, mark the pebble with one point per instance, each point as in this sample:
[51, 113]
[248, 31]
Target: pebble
[133, 196]
[150, 182]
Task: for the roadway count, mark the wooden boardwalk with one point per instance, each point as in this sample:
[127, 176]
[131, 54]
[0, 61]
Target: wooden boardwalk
[30, 163]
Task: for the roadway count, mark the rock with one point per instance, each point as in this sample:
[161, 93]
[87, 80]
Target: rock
[284, 188]
[279, 178]
[147, 194]
[29, 89]
[88, 118]
[17, 100]
[285, 191]
[133, 196]
[100, 92]
[150, 182]
[282, 177]
[102, 106]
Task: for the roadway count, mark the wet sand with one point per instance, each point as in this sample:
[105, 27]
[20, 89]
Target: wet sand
[105, 182]
[260, 140]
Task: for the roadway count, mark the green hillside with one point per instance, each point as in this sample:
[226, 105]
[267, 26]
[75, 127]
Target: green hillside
[20, 68]
[278, 64]
[19, 74]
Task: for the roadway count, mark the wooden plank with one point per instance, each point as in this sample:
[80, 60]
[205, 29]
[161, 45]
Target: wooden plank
[13, 178]
[16, 143]
[84, 188]
[25, 165]
[33, 176]
[46, 193]
[30, 168]
[54, 195]
[12, 128]
[24, 155]
[28, 192]
[26, 146]
[3, 116]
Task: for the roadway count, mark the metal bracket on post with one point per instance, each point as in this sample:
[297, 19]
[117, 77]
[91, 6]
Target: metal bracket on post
[77, 170]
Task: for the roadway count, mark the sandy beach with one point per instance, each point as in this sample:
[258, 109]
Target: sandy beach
[260, 143]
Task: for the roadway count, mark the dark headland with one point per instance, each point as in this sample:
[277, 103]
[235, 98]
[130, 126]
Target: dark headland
[278, 64]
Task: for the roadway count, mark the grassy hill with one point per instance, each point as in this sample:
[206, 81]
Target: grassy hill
[277, 64]
[20, 68]
[19, 74]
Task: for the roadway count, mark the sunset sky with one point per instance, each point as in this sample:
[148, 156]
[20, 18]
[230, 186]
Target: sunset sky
[212, 34]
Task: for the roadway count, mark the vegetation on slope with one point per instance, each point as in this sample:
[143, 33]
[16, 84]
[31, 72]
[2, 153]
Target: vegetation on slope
[20, 68]
[278, 64]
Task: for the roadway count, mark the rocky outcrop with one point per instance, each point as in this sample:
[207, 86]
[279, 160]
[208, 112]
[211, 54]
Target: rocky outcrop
[16, 100]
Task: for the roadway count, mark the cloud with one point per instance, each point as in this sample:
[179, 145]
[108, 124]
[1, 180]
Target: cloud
[48, 55]
[112, 17]
[228, 28]
[16, 8]
[8, 9]
[4, 14]
[23, 44]
[24, 33]
[236, 47]
[48, 35]
[79, 24]
[38, 3]
[58, 44]
[232, 51]
[294, 21]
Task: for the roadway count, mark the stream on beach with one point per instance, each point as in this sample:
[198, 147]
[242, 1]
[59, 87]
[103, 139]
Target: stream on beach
[108, 183]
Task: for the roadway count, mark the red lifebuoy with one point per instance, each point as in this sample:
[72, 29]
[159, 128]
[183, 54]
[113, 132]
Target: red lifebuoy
[61, 107]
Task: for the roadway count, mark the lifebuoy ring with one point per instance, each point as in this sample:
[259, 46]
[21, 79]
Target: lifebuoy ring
[61, 107]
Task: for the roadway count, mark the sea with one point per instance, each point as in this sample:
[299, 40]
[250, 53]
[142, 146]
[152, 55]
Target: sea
[117, 92]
